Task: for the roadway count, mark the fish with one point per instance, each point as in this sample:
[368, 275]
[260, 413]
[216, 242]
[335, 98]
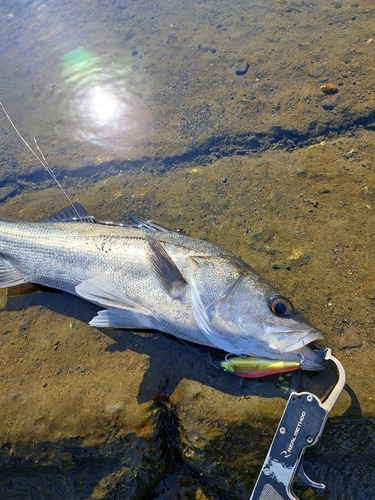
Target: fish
[144, 276]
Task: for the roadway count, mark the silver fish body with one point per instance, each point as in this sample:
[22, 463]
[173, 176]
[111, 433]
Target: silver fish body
[148, 277]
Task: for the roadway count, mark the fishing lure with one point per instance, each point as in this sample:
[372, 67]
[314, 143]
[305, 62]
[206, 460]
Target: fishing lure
[254, 367]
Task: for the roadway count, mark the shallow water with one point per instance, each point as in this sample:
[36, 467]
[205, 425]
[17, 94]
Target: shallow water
[205, 117]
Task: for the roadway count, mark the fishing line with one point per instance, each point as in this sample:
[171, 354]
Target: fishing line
[44, 165]
[199, 354]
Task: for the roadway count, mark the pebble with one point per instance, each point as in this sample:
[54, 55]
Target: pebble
[329, 88]
[327, 105]
[241, 68]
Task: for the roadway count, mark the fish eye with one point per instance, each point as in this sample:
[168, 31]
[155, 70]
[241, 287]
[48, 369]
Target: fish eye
[281, 306]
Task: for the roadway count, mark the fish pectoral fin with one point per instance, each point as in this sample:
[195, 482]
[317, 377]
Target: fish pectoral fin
[165, 269]
[10, 275]
[120, 318]
[73, 213]
[100, 290]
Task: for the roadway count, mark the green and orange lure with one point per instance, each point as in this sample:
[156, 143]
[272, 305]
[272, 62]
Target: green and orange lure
[253, 367]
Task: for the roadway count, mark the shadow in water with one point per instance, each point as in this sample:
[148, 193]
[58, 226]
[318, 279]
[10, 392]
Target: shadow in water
[160, 469]
[129, 467]
[170, 360]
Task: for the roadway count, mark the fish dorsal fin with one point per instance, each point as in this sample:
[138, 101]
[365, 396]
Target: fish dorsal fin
[73, 213]
[165, 269]
[146, 224]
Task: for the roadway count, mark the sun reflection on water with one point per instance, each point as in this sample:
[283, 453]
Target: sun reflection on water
[104, 105]
[99, 103]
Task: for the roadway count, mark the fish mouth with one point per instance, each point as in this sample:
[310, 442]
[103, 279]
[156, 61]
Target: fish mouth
[291, 344]
[288, 339]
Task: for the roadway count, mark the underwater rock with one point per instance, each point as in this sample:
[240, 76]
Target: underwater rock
[241, 68]
[327, 105]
